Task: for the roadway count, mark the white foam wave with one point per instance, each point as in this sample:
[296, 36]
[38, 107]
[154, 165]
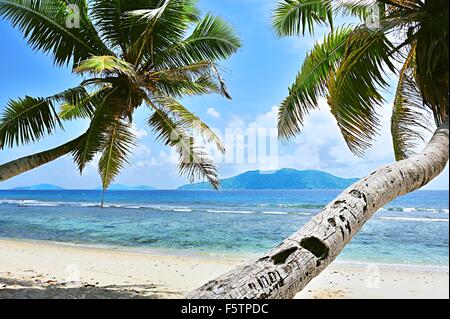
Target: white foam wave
[40, 204]
[412, 219]
[229, 211]
[182, 210]
[132, 207]
[89, 205]
[275, 213]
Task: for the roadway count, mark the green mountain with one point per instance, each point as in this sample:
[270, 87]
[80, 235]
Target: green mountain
[120, 187]
[282, 179]
[40, 187]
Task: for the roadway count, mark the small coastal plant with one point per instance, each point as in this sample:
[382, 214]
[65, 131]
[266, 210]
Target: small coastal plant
[129, 53]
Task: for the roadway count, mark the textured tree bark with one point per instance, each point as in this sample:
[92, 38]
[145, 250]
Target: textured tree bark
[27, 163]
[288, 268]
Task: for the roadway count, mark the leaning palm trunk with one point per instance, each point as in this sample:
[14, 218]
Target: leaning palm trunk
[27, 163]
[287, 269]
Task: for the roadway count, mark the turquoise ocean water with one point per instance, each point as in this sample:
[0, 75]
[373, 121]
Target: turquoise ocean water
[413, 229]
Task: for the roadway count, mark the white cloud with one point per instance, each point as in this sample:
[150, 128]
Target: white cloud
[236, 122]
[212, 112]
[139, 133]
[141, 151]
[266, 120]
[143, 158]
[320, 145]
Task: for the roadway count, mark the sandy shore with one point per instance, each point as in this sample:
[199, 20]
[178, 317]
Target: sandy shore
[48, 270]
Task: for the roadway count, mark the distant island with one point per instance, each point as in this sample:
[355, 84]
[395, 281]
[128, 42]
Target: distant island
[120, 187]
[40, 187]
[114, 187]
[282, 179]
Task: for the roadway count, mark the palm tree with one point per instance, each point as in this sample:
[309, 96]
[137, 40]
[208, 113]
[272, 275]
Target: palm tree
[129, 53]
[349, 68]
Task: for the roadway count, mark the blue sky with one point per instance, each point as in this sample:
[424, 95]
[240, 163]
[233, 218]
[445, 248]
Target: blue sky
[258, 78]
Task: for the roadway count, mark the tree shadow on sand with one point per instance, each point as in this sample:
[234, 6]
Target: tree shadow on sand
[35, 289]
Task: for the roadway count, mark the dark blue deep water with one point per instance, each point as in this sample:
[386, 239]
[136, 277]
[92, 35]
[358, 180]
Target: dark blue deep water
[411, 230]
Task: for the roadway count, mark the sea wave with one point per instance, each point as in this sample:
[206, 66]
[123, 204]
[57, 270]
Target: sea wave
[230, 211]
[284, 208]
[183, 210]
[416, 219]
[275, 213]
[415, 209]
[306, 206]
[31, 203]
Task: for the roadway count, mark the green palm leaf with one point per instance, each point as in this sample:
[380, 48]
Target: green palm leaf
[432, 57]
[161, 25]
[117, 147]
[107, 15]
[353, 91]
[181, 87]
[189, 120]
[193, 79]
[189, 71]
[409, 117]
[95, 137]
[193, 161]
[27, 120]
[126, 51]
[106, 65]
[311, 81]
[356, 8]
[294, 17]
[213, 39]
[82, 107]
[44, 24]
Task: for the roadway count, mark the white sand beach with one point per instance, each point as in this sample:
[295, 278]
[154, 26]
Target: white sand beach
[49, 270]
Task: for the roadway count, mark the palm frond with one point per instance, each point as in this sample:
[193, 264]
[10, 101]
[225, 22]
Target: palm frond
[27, 120]
[295, 17]
[95, 137]
[311, 81]
[107, 16]
[161, 25]
[82, 106]
[106, 65]
[119, 142]
[190, 71]
[432, 57]
[359, 8]
[213, 39]
[181, 87]
[194, 162]
[193, 79]
[353, 91]
[127, 25]
[44, 24]
[409, 117]
[189, 120]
